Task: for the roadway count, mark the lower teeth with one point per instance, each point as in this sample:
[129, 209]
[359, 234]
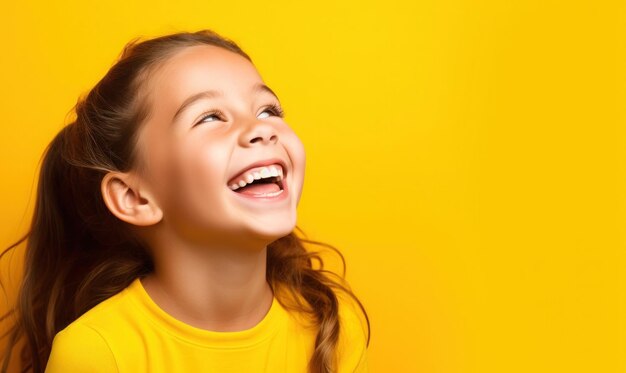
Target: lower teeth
[270, 194]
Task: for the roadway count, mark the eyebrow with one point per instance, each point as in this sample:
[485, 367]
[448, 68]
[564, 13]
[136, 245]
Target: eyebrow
[218, 93]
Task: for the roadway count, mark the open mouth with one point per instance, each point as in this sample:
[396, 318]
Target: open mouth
[265, 181]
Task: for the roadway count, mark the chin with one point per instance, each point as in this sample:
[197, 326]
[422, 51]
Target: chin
[273, 231]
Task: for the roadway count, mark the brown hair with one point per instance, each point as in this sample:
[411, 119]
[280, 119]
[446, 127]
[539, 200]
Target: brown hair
[79, 254]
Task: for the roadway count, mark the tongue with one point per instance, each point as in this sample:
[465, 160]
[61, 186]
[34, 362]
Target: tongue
[259, 188]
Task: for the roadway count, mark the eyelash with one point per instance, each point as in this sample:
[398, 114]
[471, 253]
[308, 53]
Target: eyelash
[275, 109]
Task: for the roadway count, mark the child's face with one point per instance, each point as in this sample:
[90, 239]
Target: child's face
[192, 157]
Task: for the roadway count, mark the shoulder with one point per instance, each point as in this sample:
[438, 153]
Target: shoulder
[85, 344]
[352, 344]
[80, 348]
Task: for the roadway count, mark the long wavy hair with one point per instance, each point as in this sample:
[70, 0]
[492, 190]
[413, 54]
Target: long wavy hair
[78, 253]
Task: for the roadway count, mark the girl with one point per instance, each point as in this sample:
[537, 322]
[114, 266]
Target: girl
[163, 234]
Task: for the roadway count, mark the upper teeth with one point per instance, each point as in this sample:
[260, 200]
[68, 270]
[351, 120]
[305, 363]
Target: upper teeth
[256, 174]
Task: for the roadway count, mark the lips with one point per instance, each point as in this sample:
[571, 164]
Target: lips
[266, 162]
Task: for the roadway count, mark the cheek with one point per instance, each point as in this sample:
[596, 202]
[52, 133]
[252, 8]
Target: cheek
[297, 155]
[202, 169]
[196, 201]
[301, 153]
[172, 183]
[189, 179]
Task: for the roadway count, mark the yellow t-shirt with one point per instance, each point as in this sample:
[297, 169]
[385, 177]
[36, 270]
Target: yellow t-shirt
[130, 333]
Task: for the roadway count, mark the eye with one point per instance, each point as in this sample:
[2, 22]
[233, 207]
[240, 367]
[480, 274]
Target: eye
[212, 114]
[274, 110]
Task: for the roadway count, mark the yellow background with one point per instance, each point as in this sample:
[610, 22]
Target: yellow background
[468, 157]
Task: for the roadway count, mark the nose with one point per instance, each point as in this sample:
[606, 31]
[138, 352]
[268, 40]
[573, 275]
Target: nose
[259, 132]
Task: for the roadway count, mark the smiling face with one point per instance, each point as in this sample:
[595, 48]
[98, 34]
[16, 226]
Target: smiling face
[212, 118]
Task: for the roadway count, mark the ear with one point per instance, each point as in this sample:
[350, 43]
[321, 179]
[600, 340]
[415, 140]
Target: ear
[125, 200]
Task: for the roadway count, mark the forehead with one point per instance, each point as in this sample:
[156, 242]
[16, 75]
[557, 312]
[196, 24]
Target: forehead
[200, 67]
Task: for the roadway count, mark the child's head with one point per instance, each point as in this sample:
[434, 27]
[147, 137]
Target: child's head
[159, 148]
[209, 123]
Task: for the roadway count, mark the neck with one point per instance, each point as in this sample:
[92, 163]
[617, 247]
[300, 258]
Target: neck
[218, 289]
